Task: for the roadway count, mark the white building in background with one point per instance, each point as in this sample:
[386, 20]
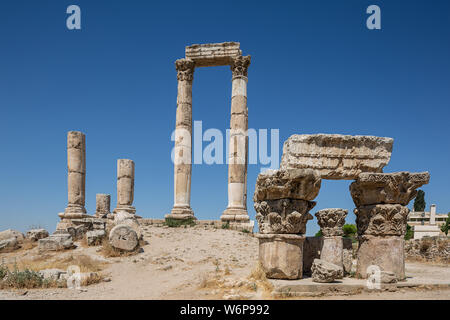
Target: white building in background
[427, 223]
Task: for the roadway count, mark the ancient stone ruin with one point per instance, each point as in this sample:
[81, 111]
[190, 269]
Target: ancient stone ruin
[284, 197]
[209, 55]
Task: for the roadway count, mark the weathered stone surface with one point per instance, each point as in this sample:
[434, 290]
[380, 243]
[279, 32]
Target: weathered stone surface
[213, 54]
[301, 184]
[8, 245]
[125, 186]
[387, 277]
[123, 237]
[36, 234]
[283, 216]
[311, 250]
[347, 255]
[56, 242]
[331, 221]
[125, 218]
[385, 252]
[332, 250]
[281, 256]
[323, 271]
[95, 237]
[52, 274]
[387, 188]
[337, 156]
[10, 233]
[102, 205]
[381, 220]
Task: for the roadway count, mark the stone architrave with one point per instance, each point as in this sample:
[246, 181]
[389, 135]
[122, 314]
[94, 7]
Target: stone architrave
[337, 156]
[183, 142]
[238, 148]
[76, 180]
[331, 222]
[381, 216]
[102, 205]
[125, 186]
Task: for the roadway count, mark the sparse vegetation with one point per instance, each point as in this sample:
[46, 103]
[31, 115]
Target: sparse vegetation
[110, 252]
[445, 226]
[409, 232]
[318, 234]
[419, 201]
[176, 223]
[226, 225]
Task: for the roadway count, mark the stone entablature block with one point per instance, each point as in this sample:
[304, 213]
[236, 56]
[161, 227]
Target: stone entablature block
[213, 54]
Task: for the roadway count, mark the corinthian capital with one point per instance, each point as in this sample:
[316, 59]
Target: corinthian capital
[331, 221]
[185, 69]
[239, 66]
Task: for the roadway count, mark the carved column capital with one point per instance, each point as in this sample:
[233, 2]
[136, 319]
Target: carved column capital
[331, 221]
[239, 66]
[185, 69]
[381, 220]
[283, 216]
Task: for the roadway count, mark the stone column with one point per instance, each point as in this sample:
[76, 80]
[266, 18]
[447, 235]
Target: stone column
[183, 141]
[331, 222]
[381, 201]
[102, 205]
[282, 201]
[125, 186]
[76, 180]
[238, 147]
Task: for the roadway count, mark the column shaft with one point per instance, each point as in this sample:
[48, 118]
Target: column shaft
[125, 186]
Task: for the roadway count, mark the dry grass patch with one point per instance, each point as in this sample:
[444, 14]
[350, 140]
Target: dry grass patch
[109, 251]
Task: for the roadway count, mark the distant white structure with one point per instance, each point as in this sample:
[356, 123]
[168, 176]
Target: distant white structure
[427, 223]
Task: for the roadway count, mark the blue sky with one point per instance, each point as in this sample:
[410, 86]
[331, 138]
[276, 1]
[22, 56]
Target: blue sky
[315, 68]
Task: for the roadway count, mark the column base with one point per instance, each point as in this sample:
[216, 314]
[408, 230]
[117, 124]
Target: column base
[126, 208]
[385, 252]
[235, 215]
[181, 213]
[281, 255]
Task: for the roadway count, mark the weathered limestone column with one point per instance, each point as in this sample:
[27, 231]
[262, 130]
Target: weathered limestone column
[238, 148]
[331, 222]
[102, 205]
[125, 186]
[282, 200]
[76, 179]
[183, 141]
[381, 216]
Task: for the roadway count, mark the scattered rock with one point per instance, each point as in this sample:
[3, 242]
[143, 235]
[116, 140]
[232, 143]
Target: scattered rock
[7, 234]
[123, 237]
[56, 242]
[9, 244]
[52, 274]
[323, 271]
[95, 237]
[36, 234]
[388, 277]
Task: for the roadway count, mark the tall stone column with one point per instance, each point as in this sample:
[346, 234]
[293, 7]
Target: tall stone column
[125, 186]
[238, 148]
[381, 201]
[331, 222]
[76, 179]
[183, 141]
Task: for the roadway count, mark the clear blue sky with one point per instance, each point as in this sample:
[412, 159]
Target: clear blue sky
[315, 68]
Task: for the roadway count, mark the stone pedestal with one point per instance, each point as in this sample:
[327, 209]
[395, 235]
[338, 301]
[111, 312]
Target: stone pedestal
[102, 205]
[183, 142]
[76, 178]
[238, 148]
[388, 253]
[125, 186]
[281, 255]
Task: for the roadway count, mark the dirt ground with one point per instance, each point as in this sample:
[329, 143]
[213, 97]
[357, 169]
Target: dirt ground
[190, 263]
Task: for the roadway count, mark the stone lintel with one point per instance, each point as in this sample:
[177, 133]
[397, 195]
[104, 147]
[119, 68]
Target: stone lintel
[213, 54]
